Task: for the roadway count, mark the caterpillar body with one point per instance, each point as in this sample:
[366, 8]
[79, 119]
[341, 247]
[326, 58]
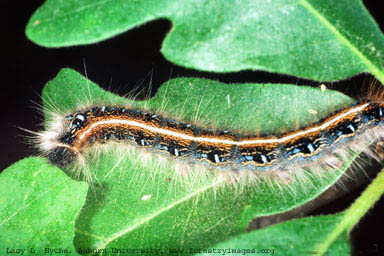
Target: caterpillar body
[218, 149]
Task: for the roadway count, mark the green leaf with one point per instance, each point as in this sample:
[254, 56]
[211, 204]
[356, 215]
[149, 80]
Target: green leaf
[295, 237]
[315, 39]
[38, 207]
[140, 202]
[320, 235]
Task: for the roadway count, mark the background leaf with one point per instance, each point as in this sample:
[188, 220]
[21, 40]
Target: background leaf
[319, 235]
[38, 206]
[295, 237]
[139, 201]
[315, 39]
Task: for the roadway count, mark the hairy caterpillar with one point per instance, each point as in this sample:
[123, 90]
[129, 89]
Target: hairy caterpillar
[324, 143]
[177, 191]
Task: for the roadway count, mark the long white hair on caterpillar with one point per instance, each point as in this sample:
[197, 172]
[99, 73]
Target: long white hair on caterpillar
[198, 146]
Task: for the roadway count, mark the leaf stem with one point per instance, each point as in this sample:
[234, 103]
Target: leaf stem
[355, 212]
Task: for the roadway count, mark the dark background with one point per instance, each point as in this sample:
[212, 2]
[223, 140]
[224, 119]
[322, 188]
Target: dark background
[119, 64]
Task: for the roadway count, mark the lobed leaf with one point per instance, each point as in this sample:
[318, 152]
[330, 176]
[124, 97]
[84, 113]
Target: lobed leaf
[314, 39]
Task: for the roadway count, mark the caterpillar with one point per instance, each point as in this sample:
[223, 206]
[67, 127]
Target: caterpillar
[219, 149]
[150, 155]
